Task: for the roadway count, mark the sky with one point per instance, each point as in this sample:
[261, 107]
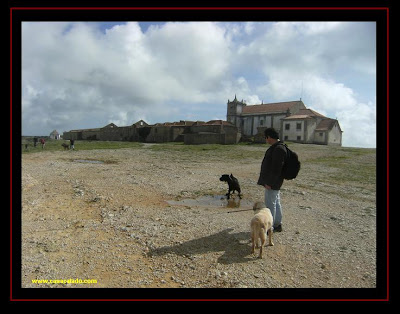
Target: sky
[78, 75]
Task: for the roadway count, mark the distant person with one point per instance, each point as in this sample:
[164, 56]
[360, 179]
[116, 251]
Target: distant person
[35, 141]
[72, 144]
[271, 177]
[43, 142]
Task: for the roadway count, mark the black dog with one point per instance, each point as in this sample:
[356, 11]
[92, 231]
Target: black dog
[233, 184]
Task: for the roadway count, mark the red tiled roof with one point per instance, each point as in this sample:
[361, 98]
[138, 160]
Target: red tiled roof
[218, 122]
[191, 123]
[325, 125]
[270, 108]
[298, 116]
[310, 113]
[177, 123]
[305, 114]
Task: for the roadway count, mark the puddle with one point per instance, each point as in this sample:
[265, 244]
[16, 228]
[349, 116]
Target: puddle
[214, 201]
[89, 161]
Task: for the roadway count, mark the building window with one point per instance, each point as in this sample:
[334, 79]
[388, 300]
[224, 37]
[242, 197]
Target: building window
[298, 126]
[299, 138]
[287, 126]
[286, 137]
[261, 122]
[320, 133]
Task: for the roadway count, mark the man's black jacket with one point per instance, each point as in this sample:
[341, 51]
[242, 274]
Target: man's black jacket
[271, 167]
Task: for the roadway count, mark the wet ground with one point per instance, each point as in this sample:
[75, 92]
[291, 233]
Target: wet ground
[90, 161]
[214, 201]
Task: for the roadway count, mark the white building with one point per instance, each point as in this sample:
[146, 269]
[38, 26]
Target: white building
[291, 119]
[55, 135]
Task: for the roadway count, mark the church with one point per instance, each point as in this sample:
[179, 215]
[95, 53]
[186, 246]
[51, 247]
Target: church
[293, 121]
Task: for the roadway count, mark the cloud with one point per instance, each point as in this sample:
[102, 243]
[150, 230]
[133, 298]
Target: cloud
[317, 62]
[75, 67]
[82, 75]
[357, 119]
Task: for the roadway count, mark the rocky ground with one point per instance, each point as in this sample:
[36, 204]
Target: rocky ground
[129, 218]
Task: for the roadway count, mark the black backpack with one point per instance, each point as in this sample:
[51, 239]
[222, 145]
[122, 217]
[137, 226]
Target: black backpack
[291, 167]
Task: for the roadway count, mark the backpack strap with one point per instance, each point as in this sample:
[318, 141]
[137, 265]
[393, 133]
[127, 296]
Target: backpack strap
[287, 149]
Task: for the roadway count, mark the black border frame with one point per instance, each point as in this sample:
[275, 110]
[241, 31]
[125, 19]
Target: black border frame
[86, 13]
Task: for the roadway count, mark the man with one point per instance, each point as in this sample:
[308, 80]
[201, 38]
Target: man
[271, 175]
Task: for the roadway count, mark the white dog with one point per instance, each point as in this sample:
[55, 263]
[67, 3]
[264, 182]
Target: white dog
[260, 224]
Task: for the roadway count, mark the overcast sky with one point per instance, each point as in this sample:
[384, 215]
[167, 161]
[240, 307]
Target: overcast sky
[86, 75]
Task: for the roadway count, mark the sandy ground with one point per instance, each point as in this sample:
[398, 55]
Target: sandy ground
[146, 217]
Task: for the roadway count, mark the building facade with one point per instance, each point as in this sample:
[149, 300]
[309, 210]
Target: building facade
[54, 135]
[292, 120]
[188, 132]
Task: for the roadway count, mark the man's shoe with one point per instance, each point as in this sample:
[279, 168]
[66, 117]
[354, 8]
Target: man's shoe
[278, 228]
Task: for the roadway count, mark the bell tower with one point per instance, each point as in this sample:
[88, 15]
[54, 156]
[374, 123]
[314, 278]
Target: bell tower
[234, 112]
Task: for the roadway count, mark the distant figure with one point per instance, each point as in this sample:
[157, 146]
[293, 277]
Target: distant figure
[34, 141]
[42, 141]
[72, 142]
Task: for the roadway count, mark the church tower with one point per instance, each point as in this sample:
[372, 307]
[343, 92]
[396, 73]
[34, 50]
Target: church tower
[234, 111]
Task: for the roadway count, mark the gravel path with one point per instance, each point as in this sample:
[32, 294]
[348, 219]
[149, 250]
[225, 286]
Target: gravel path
[147, 217]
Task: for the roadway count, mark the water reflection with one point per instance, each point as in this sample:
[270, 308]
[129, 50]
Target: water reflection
[213, 201]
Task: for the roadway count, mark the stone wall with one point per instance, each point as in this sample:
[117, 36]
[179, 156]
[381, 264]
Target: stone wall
[213, 132]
